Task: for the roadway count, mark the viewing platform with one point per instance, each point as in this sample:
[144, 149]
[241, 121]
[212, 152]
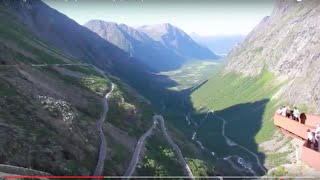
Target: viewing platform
[298, 130]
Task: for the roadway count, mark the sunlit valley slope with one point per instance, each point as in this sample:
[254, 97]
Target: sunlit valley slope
[55, 74]
[277, 64]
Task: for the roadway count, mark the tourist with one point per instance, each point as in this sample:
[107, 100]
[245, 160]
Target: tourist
[311, 139]
[279, 111]
[317, 135]
[288, 112]
[284, 111]
[296, 114]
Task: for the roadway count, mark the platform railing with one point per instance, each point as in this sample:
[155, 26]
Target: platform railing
[310, 156]
[292, 126]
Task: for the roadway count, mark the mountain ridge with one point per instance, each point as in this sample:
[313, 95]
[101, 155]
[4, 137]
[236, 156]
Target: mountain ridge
[287, 47]
[219, 44]
[174, 38]
[137, 44]
[278, 64]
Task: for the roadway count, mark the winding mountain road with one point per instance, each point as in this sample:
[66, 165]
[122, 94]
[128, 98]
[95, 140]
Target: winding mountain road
[103, 145]
[183, 162]
[232, 143]
[136, 154]
[135, 157]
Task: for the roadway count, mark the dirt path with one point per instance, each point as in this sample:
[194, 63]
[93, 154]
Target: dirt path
[103, 145]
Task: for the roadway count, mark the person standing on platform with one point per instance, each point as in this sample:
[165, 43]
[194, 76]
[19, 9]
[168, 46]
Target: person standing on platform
[296, 114]
[317, 135]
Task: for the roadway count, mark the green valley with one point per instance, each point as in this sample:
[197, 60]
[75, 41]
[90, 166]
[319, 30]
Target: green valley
[93, 90]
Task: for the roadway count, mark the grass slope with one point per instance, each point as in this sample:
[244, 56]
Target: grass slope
[191, 73]
[35, 134]
[224, 91]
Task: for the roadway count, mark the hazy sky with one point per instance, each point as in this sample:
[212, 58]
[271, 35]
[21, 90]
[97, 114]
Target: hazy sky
[204, 17]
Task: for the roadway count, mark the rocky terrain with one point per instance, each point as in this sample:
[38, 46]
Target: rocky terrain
[50, 104]
[278, 63]
[286, 44]
[178, 41]
[51, 96]
[163, 47]
[137, 44]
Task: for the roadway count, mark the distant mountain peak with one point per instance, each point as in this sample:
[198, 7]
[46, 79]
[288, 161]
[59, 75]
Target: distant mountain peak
[283, 5]
[176, 39]
[137, 44]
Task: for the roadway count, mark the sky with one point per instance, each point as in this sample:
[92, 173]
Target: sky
[203, 17]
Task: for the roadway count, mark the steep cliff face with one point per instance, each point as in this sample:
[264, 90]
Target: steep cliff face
[174, 38]
[137, 44]
[287, 45]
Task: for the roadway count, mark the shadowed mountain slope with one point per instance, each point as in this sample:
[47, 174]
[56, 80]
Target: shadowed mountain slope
[177, 40]
[137, 44]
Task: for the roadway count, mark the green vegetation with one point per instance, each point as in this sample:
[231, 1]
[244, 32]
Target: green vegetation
[16, 36]
[96, 84]
[160, 160]
[279, 172]
[28, 125]
[6, 89]
[222, 92]
[277, 159]
[128, 110]
[199, 167]
[258, 50]
[85, 70]
[117, 162]
[191, 73]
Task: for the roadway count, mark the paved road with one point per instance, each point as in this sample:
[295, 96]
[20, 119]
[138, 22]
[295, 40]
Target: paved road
[103, 145]
[183, 162]
[136, 154]
[9, 170]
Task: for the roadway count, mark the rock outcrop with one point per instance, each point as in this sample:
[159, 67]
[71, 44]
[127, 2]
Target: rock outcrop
[287, 45]
[137, 44]
[174, 38]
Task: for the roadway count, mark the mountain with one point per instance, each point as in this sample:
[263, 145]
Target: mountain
[137, 44]
[79, 42]
[278, 63]
[220, 44]
[50, 103]
[65, 34]
[53, 94]
[285, 44]
[177, 40]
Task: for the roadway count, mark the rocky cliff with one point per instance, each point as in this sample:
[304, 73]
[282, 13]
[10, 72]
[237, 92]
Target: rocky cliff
[137, 44]
[174, 38]
[286, 44]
